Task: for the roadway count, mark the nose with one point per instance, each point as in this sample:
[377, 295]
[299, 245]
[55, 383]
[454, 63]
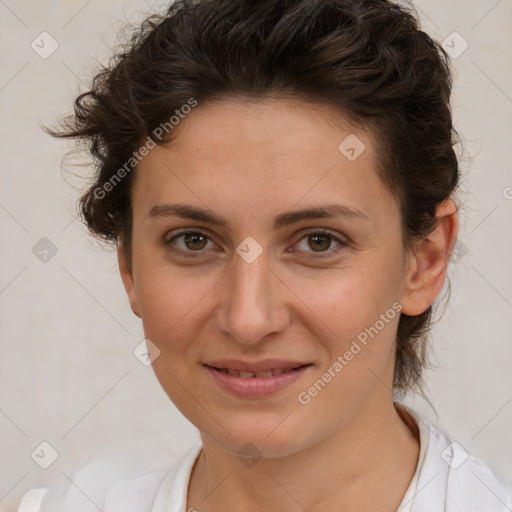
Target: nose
[252, 301]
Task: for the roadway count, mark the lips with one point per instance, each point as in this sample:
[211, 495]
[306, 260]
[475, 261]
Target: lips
[256, 368]
[246, 375]
[256, 379]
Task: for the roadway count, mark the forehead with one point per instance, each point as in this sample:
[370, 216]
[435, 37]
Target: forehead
[264, 128]
[261, 156]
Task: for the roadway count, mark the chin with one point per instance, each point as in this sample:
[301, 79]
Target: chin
[257, 437]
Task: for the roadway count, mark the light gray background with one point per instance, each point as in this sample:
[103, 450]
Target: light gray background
[68, 374]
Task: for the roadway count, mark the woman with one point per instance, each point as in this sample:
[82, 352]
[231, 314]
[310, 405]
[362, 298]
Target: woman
[279, 179]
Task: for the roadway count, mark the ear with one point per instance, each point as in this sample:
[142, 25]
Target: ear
[126, 271]
[427, 266]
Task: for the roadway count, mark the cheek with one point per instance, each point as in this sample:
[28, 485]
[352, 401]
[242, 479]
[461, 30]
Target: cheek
[343, 302]
[173, 310]
[171, 303]
[356, 320]
[355, 315]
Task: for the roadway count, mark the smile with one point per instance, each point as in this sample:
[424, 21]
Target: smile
[256, 384]
[246, 375]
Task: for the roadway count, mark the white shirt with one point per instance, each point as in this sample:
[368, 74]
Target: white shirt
[446, 479]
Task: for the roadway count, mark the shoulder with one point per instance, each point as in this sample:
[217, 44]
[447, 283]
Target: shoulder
[95, 487]
[471, 483]
[458, 481]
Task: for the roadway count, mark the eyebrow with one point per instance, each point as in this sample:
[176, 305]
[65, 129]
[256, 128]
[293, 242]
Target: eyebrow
[185, 211]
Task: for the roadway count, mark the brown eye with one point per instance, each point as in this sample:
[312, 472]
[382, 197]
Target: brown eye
[195, 241]
[319, 242]
[190, 241]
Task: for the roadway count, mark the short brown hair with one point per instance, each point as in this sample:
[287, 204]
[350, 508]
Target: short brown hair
[367, 58]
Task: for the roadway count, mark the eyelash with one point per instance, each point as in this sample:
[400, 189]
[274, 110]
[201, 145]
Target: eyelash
[319, 255]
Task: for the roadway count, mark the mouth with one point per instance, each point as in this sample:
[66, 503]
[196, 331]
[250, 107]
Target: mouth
[244, 383]
[250, 375]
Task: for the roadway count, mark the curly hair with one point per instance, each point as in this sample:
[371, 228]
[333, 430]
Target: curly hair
[367, 58]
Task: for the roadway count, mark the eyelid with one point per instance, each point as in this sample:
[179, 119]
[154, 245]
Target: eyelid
[298, 238]
[321, 231]
[168, 240]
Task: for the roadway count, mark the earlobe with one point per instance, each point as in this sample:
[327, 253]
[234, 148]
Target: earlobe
[428, 265]
[126, 271]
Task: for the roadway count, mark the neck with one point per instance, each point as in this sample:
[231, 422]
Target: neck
[365, 465]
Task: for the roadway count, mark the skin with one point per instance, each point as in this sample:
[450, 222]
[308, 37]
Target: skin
[347, 449]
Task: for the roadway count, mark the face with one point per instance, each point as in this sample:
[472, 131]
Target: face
[248, 288]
